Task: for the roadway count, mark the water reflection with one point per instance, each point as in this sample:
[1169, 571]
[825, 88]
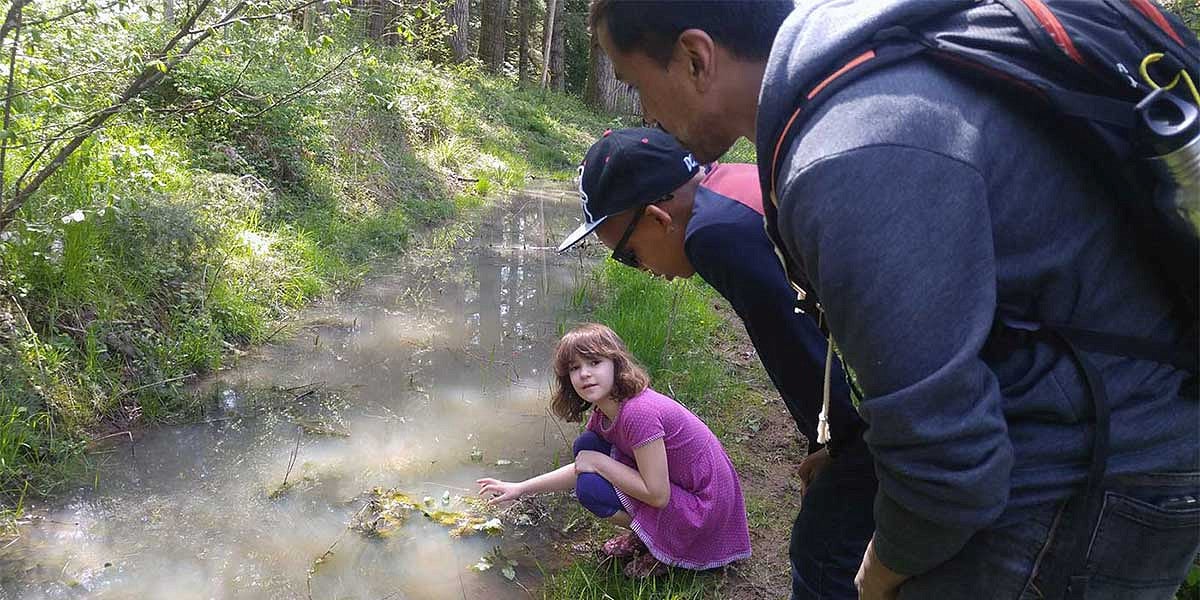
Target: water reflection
[398, 385]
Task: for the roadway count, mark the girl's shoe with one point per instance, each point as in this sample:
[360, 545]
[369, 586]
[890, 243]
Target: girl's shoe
[645, 567]
[625, 545]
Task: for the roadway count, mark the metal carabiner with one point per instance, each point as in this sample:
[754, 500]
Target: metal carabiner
[1154, 57]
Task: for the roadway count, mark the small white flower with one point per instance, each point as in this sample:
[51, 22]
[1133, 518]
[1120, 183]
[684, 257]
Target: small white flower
[74, 217]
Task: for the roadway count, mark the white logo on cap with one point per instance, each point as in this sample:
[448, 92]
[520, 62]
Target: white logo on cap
[583, 198]
[689, 161]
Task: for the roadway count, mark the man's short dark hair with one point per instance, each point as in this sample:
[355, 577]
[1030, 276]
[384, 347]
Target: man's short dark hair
[744, 27]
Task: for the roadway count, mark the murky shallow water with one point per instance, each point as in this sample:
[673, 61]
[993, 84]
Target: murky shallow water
[436, 372]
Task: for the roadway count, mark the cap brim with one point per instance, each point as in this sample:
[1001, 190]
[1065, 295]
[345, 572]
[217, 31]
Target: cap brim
[580, 232]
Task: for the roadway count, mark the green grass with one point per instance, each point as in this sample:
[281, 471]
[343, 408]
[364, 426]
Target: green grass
[674, 331]
[594, 579]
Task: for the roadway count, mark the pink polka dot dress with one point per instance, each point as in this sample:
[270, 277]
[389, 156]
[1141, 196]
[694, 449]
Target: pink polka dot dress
[704, 524]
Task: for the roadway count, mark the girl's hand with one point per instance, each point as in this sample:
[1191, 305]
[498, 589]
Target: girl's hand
[588, 461]
[500, 491]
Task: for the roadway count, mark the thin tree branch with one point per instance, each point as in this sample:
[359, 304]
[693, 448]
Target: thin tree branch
[27, 91]
[83, 7]
[230, 21]
[304, 88]
[12, 76]
[10, 19]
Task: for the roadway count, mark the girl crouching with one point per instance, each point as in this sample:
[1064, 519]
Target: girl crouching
[644, 462]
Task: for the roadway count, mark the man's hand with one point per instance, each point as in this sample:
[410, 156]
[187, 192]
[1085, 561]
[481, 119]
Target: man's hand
[875, 581]
[812, 465]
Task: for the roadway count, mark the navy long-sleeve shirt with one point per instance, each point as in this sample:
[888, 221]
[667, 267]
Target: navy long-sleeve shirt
[728, 247]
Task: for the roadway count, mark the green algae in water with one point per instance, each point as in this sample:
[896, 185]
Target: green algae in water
[387, 510]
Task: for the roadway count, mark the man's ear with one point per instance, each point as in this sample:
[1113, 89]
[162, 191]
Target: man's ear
[699, 52]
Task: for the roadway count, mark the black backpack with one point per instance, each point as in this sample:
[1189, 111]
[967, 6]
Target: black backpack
[1103, 67]
[1091, 63]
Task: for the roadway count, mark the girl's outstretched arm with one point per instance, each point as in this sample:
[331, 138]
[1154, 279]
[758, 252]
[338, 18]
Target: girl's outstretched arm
[650, 482]
[558, 480]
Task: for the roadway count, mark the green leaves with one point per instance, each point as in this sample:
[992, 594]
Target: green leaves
[496, 558]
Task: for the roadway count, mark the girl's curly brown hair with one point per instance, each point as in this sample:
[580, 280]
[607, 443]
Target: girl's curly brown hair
[593, 340]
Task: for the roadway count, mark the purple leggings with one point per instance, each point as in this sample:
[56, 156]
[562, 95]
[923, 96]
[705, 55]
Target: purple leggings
[595, 493]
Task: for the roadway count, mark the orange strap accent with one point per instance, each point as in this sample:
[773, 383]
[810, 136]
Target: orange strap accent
[1057, 32]
[1152, 13]
[856, 61]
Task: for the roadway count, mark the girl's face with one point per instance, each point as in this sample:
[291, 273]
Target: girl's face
[591, 377]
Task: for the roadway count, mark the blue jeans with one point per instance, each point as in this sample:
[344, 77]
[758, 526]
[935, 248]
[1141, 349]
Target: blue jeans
[594, 492]
[1141, 548]
[835, 523]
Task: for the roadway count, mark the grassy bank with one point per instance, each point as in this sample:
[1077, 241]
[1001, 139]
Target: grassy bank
[188, 229]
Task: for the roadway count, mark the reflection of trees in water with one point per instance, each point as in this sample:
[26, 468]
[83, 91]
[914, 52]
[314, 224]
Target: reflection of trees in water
[507, 278]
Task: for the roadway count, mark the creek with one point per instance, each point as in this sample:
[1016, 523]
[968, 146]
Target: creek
[431, 374]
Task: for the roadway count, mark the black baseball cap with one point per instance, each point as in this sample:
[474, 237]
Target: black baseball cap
[627, 168]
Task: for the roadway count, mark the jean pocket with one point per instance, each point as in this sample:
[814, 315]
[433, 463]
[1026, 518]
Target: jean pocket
[1141, 549]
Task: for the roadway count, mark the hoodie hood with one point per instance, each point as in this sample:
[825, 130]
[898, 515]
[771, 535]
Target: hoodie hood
[818, 38]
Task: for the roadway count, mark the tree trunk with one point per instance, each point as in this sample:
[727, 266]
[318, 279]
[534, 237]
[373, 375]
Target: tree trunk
[558, 49]
[548, 37]
[310, 16]
[491, 34]
[169, 11]
[602, 89]
[525, 30]
[458, 15]
[376, 18]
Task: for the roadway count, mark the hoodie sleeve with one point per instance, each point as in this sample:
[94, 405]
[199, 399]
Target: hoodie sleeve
[898, 243]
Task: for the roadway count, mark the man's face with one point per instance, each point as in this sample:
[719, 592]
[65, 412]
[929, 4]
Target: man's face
[656, 241]
[674, 97]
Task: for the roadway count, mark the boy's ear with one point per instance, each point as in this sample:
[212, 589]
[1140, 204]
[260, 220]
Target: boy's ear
[660, 216]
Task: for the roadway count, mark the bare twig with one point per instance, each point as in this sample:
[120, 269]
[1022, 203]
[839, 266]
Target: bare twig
[70, 13]
[27, 91]
[292, 460]
[670, 324]
[560, 429]
[227, 22]
[112, 435]
[311, 84]
[299, 387]
[329, 551]
[132, 443]
[272, 335]
[442, 485]
[156, 383]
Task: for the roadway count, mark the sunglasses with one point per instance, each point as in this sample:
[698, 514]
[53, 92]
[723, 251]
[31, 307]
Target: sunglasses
[624, 255]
